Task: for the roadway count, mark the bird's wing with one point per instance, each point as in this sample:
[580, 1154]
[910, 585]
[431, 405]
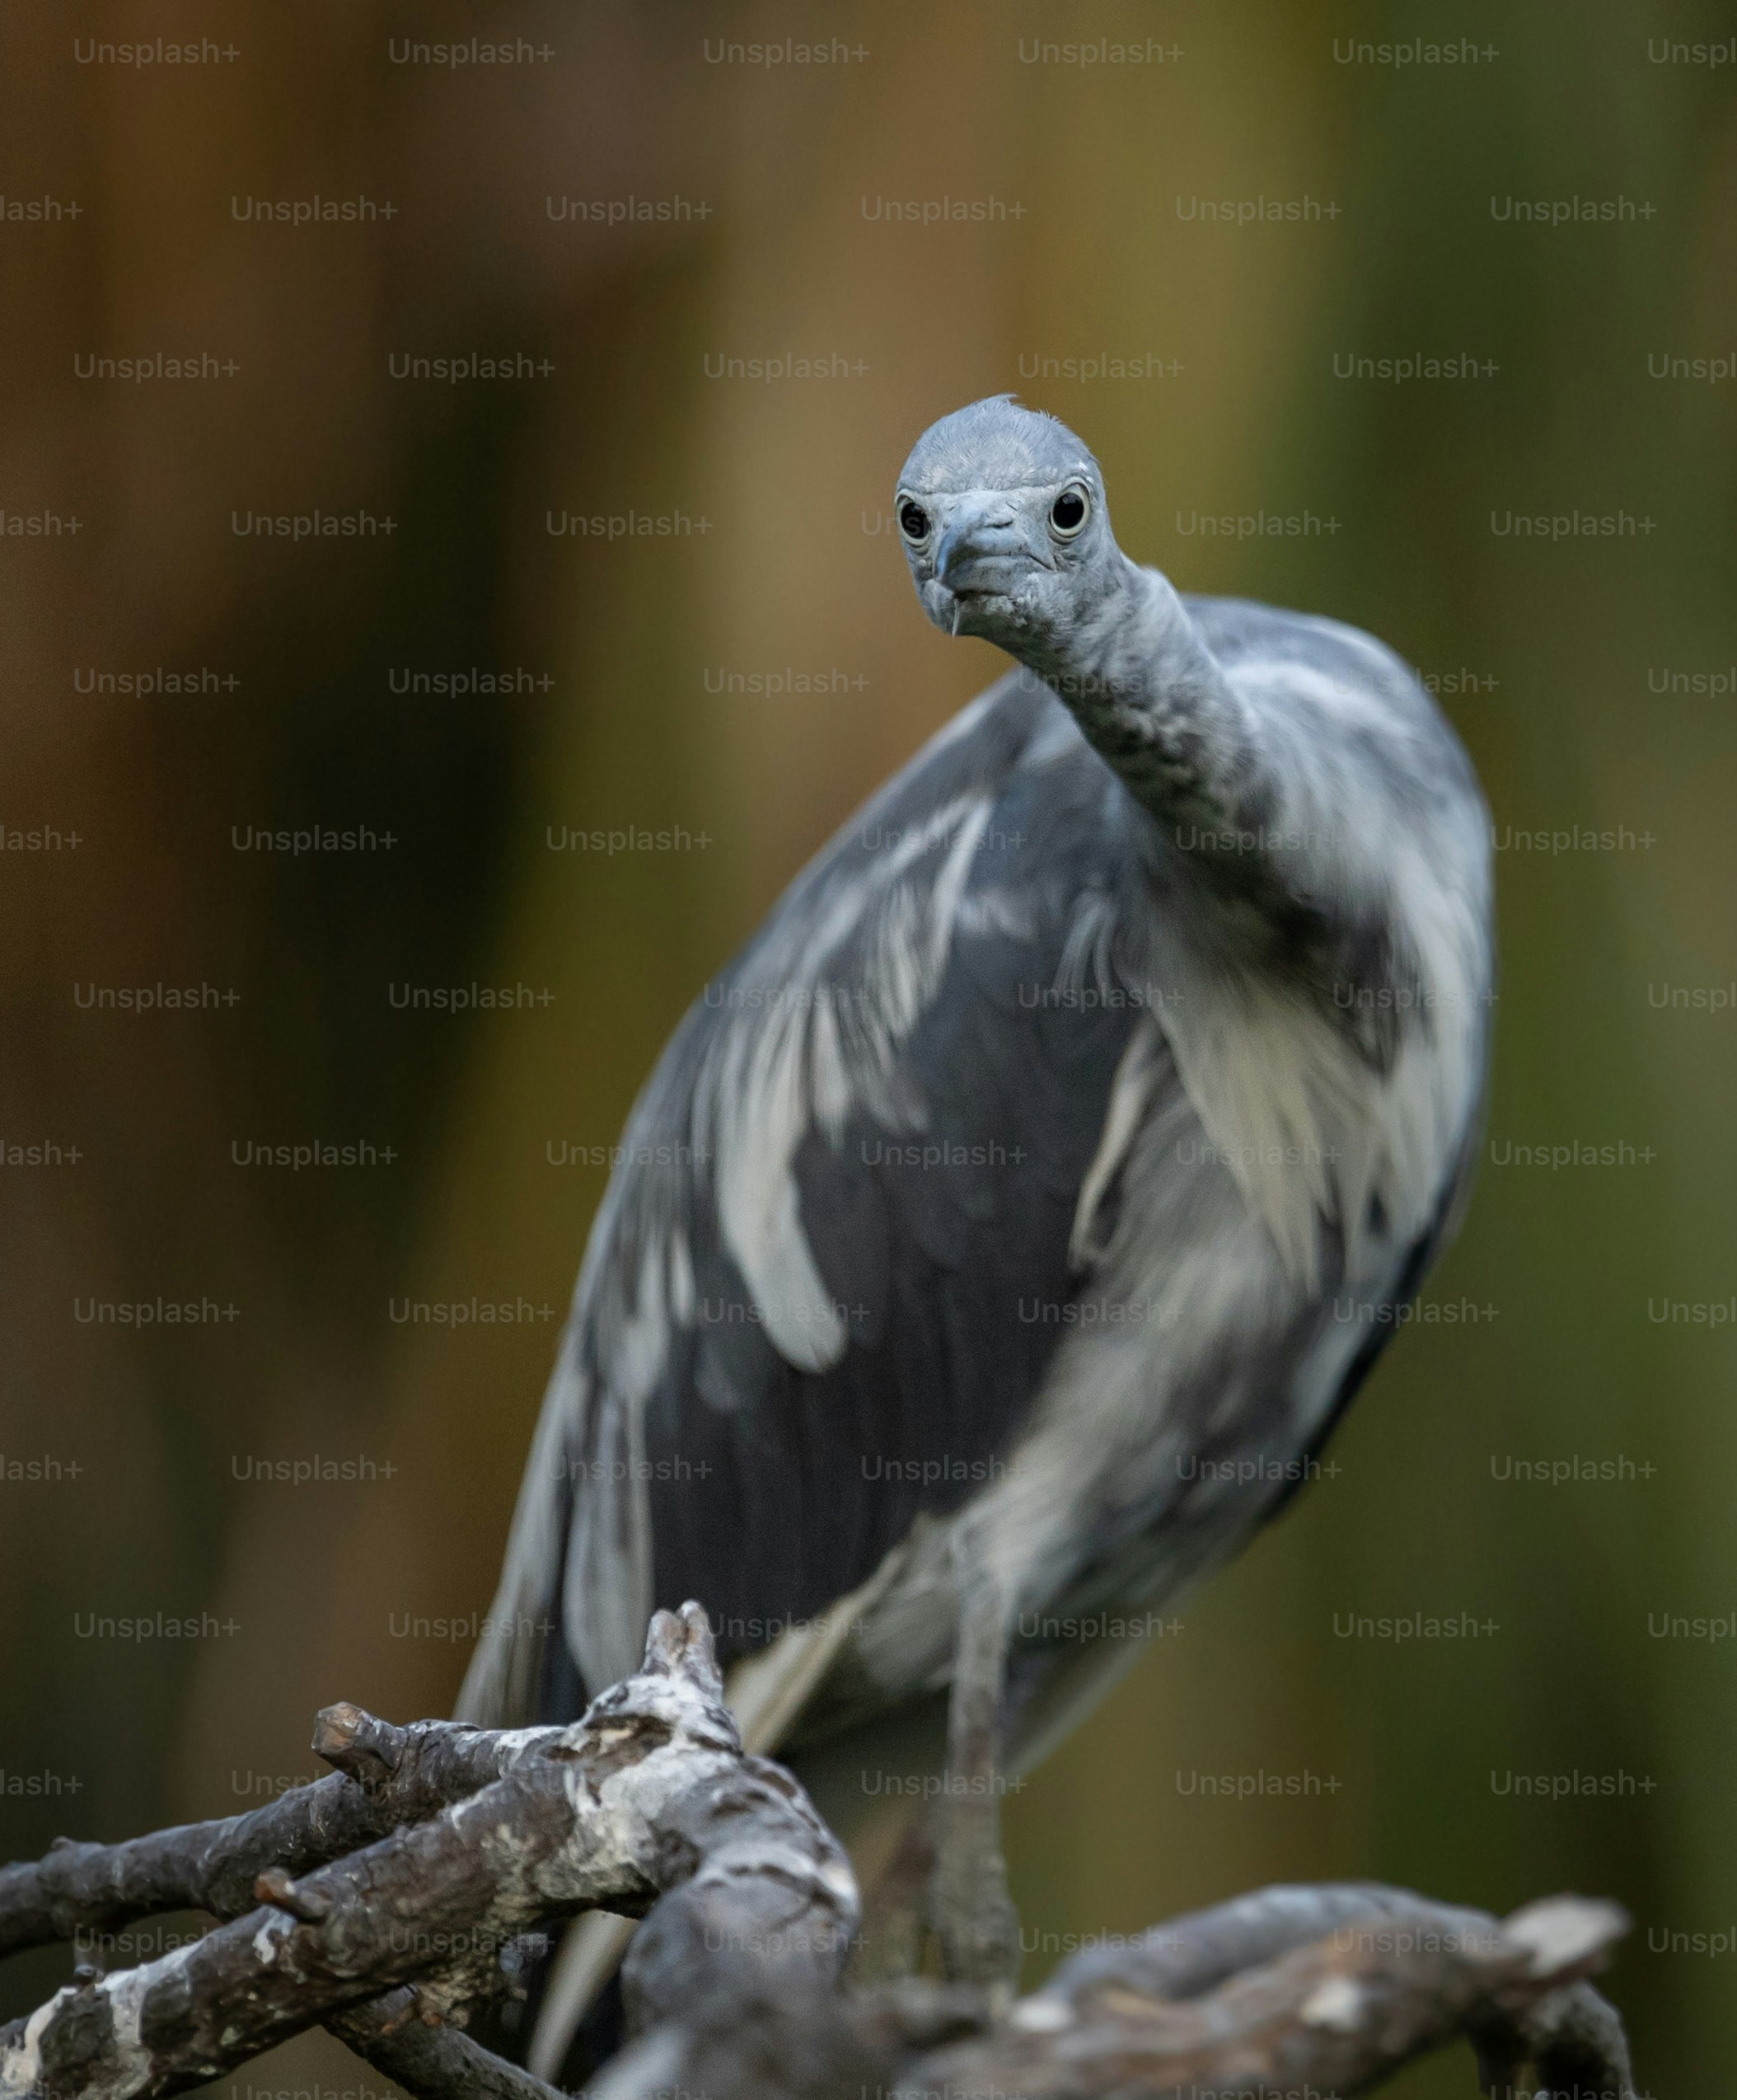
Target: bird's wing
[940, 1099]
[864, 1147]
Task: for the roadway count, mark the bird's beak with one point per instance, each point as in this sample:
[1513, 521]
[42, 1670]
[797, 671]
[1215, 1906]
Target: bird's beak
[984, 548]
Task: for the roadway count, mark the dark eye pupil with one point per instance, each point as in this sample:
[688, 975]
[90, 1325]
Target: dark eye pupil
[914, 520]
[1068, 509]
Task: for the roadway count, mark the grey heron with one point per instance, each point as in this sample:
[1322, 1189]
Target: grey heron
[1002, 1230]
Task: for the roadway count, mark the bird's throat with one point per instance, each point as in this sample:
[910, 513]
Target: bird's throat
[1136, 673]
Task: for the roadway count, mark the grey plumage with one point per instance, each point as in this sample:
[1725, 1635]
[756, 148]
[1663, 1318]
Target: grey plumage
[1065, 1140]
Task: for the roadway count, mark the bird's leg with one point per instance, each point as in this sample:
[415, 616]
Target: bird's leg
[971, 1913]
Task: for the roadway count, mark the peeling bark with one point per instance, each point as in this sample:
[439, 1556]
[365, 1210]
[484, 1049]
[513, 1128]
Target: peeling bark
[389, 1900]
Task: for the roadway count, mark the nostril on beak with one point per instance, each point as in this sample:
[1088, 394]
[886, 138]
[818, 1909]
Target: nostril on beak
[970, 541]
[954, 550]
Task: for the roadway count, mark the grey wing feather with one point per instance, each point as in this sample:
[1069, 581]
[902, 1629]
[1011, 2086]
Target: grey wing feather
[796, 1325]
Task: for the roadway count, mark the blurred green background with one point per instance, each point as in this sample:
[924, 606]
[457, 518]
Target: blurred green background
[1590, 675]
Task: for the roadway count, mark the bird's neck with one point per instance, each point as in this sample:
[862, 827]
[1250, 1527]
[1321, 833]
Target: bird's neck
[1151, 698]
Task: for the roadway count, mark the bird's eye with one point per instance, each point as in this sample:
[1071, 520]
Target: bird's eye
[913, 522]
[1069, 513]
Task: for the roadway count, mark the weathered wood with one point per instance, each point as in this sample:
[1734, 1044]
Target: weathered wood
[400, 1890]
[213, 1866]
[436, 2062]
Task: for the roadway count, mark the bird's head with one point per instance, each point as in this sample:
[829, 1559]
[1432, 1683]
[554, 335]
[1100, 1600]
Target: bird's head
[1002, 514]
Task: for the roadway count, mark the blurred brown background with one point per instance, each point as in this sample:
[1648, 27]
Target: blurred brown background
[1571, 666]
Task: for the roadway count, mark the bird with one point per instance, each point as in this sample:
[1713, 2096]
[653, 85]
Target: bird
[1004, 1230]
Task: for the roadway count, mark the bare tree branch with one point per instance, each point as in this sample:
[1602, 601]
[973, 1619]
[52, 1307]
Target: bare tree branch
[389, 1901]
[1338, 2014]
[438, 2062]
[394, 1776]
